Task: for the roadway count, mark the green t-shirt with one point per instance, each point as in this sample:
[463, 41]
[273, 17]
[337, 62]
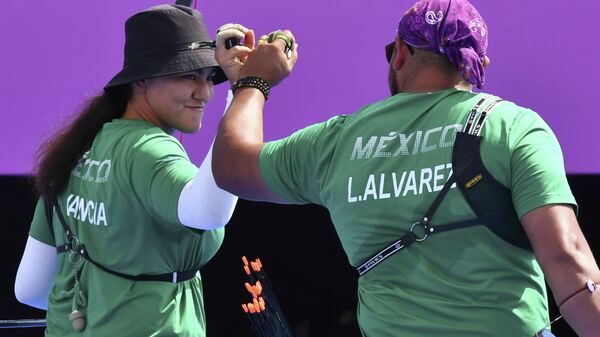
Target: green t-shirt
[121, 202]
[378, 170]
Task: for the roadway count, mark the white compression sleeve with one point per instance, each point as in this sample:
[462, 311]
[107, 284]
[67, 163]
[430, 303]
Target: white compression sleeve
[202, 204]
[35, 275]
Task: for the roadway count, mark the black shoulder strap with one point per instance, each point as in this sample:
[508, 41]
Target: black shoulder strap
[484, 194]
[465, 154]
[490, 201]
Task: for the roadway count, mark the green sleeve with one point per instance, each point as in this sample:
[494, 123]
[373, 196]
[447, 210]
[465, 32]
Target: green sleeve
[296, 167]
[536, 162]
[39, 229]
[159, 169]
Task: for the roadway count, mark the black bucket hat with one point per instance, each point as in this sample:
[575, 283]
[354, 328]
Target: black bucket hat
[166, 40]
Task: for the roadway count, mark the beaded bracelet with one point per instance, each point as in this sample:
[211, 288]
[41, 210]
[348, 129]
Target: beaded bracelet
[590, 286]
[253, 82]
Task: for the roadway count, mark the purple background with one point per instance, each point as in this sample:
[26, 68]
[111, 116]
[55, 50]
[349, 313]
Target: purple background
[55, 54]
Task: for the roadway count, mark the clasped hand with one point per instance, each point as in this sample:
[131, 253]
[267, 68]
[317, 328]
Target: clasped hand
[272, 59]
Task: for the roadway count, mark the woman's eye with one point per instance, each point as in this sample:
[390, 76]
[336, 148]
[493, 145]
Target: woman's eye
[191, 77]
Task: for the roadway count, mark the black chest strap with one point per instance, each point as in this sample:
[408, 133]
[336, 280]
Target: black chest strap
[490, 201]
[73, 246]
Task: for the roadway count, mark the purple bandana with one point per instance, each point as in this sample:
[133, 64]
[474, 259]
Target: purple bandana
[452, 28]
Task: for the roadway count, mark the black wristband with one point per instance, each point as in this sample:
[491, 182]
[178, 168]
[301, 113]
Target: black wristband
[252, 82]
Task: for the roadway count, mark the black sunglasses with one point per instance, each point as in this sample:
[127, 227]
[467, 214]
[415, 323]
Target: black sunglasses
[389, 50]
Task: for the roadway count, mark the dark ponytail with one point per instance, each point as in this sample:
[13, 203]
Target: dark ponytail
[61, 152]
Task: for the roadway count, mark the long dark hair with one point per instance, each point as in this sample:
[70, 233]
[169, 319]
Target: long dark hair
[59, 154]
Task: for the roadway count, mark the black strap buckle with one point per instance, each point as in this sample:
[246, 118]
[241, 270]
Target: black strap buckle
[73, 243]
[419, 237]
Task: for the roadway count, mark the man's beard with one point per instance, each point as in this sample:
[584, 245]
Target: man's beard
[392, 83]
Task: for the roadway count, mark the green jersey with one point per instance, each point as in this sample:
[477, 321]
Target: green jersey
[121, 202]
[378, 170]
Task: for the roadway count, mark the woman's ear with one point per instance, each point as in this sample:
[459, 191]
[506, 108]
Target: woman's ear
[139, 86]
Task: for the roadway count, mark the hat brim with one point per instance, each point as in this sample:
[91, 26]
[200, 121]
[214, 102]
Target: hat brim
[168, 64]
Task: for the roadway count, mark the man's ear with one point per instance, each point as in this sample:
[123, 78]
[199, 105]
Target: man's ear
[486, 61]
[401, 54]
